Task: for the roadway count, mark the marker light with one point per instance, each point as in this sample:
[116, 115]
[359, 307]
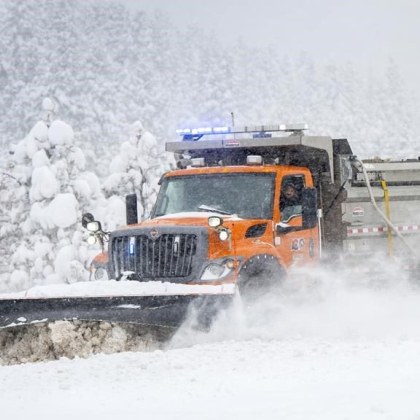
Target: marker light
[91, 240]
[215, 221]
[230, 263]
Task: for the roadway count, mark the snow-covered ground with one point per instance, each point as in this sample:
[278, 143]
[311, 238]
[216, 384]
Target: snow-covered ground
[306, 378]
[345, 347]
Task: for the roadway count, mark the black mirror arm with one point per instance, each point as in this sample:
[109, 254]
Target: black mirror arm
[283, 228]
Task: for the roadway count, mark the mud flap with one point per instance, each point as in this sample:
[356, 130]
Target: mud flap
[159, 311]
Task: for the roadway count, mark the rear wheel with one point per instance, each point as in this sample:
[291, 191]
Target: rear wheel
[260, 275]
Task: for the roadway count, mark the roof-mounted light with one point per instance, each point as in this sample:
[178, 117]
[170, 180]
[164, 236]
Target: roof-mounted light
[202, 130]
[220, 129]
[293, 127]
[198, 162]
[260, 130]
[183, 131]
[254, 160]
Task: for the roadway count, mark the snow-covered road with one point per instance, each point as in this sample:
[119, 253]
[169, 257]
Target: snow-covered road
[339, 350]
[291, 379]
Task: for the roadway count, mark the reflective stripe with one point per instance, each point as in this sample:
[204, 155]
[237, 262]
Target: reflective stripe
[380, 229]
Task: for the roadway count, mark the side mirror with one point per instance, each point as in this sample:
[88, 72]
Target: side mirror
[95, 229]
[87, 218]
[94, 226]
[309, 208]
[131, 209]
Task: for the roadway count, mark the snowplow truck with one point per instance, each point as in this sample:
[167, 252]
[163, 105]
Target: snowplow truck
[244, 206]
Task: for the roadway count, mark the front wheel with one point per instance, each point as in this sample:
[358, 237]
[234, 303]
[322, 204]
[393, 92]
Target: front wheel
[259, 276]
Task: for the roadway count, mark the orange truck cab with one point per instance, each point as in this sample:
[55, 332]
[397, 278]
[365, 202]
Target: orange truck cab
[242, 208]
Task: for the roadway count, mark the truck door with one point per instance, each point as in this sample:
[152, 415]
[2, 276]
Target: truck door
[295, 242]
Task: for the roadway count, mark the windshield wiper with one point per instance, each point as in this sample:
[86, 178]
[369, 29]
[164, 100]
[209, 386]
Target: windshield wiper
[212, 209]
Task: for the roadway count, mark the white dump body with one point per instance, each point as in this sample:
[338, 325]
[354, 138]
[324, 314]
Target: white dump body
[367, 232]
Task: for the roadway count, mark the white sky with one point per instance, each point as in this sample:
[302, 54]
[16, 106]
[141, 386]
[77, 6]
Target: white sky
[363, 31]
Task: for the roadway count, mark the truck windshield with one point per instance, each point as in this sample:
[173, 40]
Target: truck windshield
[248, 195]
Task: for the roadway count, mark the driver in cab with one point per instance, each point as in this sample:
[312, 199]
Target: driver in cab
[290, 203]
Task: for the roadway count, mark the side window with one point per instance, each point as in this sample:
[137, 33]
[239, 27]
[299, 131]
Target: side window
[291, 196]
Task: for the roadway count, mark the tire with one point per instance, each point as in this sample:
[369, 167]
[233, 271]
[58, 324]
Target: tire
[259, 276]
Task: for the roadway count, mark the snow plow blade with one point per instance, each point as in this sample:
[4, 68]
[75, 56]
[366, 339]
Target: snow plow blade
[152, 311]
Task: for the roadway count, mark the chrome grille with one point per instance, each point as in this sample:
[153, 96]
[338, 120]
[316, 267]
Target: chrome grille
[168, 256]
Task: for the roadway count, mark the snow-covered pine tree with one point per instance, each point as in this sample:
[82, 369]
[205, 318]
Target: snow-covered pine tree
[45, 207]
[136, 169]
[12, 202]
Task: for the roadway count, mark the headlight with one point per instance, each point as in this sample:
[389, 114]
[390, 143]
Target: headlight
[216, 270]
[215, 221]
[91, 240]
[224, 234]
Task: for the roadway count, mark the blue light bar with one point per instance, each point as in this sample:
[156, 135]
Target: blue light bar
[260, 131]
